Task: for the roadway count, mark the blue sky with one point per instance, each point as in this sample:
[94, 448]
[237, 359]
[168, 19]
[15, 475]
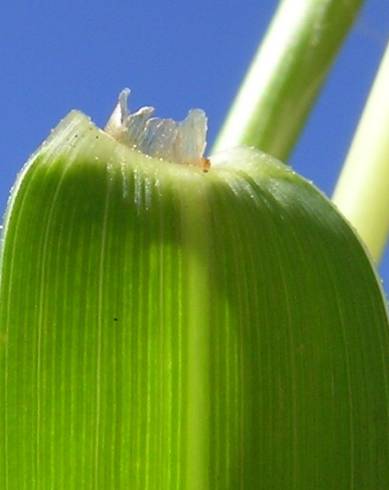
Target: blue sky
[174, 55]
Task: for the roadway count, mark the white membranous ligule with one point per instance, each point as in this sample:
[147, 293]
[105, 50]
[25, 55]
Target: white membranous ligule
[181, 142]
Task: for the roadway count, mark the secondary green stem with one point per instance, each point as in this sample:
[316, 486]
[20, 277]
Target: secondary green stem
[362, 191]
[286, 74]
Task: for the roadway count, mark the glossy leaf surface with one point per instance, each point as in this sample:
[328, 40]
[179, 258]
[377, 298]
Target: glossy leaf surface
[164, 328]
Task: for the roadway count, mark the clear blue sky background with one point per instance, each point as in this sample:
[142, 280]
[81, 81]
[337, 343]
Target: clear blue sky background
[56, 56]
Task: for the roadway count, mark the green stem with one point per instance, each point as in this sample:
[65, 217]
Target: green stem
[362, 190]
[286, 74]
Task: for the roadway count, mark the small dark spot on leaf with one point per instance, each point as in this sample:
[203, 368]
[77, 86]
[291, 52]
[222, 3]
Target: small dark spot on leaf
[115, 319]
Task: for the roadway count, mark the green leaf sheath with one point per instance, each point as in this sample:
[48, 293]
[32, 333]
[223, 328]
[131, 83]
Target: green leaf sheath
[361, 192]
[168, 329]
[286, 75]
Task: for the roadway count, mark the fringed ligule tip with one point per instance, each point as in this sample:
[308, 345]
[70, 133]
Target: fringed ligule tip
[180, 142]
